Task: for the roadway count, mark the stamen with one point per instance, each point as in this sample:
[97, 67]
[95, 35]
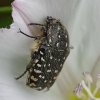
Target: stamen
[78, 91]
[88, 79]
[97, 85]
[86, 86]
[87, 89]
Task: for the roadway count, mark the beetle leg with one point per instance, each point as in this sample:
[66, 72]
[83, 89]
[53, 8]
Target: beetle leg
[34, 55]
[45, 30]
[36, 37]
[21, 75]
[36, 24]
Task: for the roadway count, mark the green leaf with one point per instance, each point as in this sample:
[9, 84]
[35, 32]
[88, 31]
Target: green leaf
[5, 20]
[5, 16]
[6, 9]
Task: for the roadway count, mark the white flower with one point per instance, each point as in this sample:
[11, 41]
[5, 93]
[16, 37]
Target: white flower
[82, 20]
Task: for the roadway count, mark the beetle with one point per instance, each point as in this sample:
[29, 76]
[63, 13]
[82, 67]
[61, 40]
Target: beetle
[48, 54]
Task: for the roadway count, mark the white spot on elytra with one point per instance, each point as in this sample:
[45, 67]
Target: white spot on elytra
[49, 40]
[33, 78]
[42, 59]
[45, 81]
[44, 65]
[58, 59]
[49, 70]
[66, 36]
[58, 28]
[56, 71]
[32, 84]
[38, 65]
[41, 52]
[48, 50]
[59, 36]
[43, 77]
[57, 44]
[48, 45]
[51, 57]
[37, 71]
[36, 60]
[54, 78]
[48, 64]
[40, 76]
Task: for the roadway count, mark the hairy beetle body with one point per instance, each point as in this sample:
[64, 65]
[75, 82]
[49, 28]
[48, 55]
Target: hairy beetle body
[48, 57]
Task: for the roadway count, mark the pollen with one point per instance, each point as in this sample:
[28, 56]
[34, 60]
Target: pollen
[85, 89]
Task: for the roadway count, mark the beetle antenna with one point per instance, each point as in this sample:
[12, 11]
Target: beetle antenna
[36, 24]
[29, 35]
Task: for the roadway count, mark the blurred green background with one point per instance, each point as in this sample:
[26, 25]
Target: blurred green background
[5, 13]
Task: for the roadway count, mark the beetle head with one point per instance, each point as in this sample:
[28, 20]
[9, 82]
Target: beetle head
[49, 19]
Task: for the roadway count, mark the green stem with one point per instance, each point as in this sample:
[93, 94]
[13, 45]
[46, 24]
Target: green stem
[6, 9]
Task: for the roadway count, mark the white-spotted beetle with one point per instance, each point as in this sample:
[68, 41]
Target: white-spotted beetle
[48, 54]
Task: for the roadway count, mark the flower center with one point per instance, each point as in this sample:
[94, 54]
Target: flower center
[84, 91]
